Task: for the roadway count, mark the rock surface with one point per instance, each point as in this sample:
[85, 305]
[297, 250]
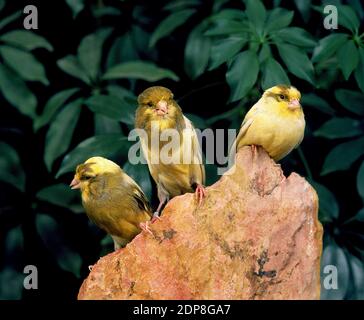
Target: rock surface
[255, 236]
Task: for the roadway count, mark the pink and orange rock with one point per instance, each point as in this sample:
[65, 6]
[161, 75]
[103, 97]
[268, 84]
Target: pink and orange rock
[255, 236]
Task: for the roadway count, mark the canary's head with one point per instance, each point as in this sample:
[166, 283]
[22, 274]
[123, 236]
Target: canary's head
[157, 104]
[284, 97]
[92, 172]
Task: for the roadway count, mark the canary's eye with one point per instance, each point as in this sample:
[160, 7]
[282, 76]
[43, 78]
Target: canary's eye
[282, 96]
[150, 104]
[86, 177]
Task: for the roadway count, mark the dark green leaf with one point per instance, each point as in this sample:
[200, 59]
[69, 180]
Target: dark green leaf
[304, 7]
[52, 106]
[143, 70]
[351, 100]
[16, 91]
[129, 102]
[66, 257]
[71, 65]
[140, 173]
[360, 215]
[265, 53]
[335, 256]
[359, 71]
[224, 50]
[356, 5]
[180, 4]
[14, 284]
[348, 18]
[242, 74]
[2, 4]
[9, 19]
[297, 62]
[60, 132]
[24, 64]
[340, 128]
[11, 169]
[76, 6]
[256, 13]
[313, 100]
[296, 36]
[112, 107]
[343, 156]
[360, 182]
[103, 146]
[26, 39]
[278, 18]
[273, 74]
[169, 24]
[61, 195]
[348, 58]
[197, 121]
[90, 50]
[105, 125]
[328, 206]
[328, 46]
[197, 52]
[122, 50]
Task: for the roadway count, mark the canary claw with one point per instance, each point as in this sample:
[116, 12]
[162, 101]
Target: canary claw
[200, 193]
[145, 227]
[155, 217]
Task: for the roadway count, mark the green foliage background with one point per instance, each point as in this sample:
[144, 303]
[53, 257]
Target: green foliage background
[68, 91]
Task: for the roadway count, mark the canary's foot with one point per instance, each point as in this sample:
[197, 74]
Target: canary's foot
[254, 151]
[145, 227]
[200, 193]
[155, 217]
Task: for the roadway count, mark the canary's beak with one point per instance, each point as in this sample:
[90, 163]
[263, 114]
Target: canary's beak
[294, 104]
[162, 108]
[75, 184]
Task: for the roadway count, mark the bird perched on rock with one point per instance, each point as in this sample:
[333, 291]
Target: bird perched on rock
[112, 200]
[276, 122]
[157, 109]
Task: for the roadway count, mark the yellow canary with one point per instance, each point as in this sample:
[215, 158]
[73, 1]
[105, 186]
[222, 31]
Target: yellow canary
[276, 122]
[112, 200]
[158, 108]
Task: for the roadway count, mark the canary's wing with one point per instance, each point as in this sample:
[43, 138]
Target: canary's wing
[197, 172]
[138, 195]
[248, 120]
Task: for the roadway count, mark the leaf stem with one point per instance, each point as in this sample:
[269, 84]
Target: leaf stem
[305, 163]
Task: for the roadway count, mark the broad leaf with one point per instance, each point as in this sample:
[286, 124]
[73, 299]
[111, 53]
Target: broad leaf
[348, 58]
[273, 74]
[76, 6]
[197, 52]
[296, 36]
[340, 128]
[359, 71]
[224, 50]
[343, 156]
[52, 106]
[348, 18]
[16, 91]
[71, 65]
[47, 227]
[169, 24]
[256, 13]
[328, 206]
[60, 132]
[61, 195]
[297, 62]
[11, 169]
[143, 70]
[242, 74]
[90, 50]
[103, 146]
[314, 101]
[351, 100]
[105, 125]
[328, 46]
[360, 181]
[278, 18]
[24, 64]
[26, 39]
